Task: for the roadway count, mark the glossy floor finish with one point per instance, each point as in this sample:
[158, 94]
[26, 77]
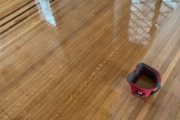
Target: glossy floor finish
[69, 59]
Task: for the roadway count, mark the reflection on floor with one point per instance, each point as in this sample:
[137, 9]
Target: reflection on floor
[69, 59]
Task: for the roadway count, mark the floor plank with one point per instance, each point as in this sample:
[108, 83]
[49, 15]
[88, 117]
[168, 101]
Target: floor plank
[69, 59]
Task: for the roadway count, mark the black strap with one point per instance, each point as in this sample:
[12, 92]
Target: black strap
[158, 86]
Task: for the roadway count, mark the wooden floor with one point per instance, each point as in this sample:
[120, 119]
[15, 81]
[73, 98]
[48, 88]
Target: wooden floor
[69, 59]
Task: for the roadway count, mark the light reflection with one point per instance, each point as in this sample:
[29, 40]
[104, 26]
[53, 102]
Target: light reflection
[146, 17]
[46, 12]
[171, 3]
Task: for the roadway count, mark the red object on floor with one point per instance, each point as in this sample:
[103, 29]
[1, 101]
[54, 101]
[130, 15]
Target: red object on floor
[143, 69]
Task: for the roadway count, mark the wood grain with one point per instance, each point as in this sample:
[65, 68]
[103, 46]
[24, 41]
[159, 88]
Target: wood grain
[69, 59]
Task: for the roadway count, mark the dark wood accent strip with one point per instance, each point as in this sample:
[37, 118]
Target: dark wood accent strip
[15, 10]
[20, 20]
